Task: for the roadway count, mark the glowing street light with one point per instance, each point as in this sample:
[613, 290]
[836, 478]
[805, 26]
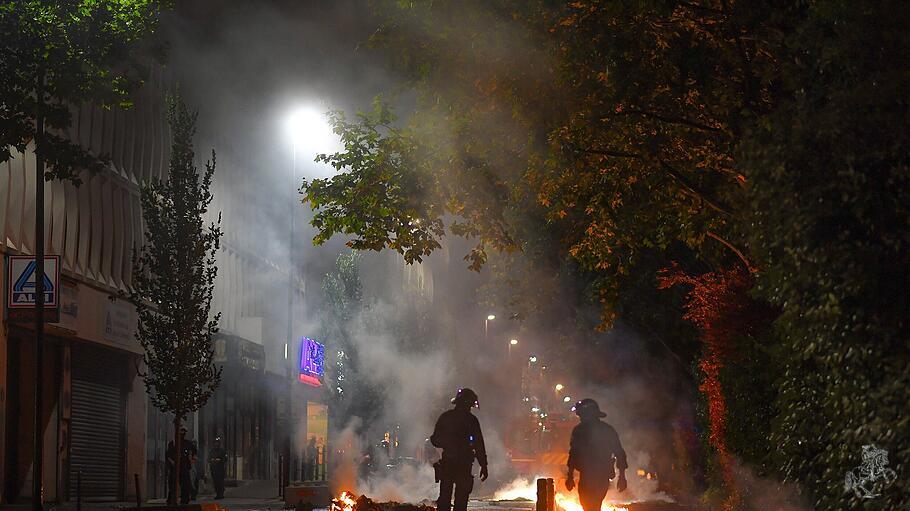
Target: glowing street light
[567, 399]
[513, 342]
[486, 324]
[310, 131]
[532, 359]
[559, 387]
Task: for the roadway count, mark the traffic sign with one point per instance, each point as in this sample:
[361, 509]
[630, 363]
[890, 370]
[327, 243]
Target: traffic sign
[21, 288]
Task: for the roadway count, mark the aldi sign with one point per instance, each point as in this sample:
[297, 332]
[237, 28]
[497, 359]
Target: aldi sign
[21, 288]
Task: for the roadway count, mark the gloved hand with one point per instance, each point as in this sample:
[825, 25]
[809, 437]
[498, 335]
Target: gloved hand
[622, 483]
[484, 474]
[570, 483]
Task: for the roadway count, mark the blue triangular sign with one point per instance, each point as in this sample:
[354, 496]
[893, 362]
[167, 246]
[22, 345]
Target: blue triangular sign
[26, 281]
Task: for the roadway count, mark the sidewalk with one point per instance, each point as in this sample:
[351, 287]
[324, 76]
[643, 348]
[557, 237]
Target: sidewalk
[252, 496]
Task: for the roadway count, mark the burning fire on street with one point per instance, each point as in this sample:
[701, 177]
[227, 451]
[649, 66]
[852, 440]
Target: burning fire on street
[344, 502]
[527, 490]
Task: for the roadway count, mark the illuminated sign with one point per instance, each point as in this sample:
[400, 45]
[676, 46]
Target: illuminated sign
[312, 362]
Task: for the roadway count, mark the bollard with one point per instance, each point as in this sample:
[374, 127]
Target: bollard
[138, 495]
[546, 495]
[280, 476]
[79, 491]
[551, 494]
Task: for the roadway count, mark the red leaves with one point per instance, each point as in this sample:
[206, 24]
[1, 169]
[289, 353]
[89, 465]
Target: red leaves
[719, 305]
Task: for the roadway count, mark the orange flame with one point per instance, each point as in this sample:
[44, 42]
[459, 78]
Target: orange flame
[344, 502]
[565, 501]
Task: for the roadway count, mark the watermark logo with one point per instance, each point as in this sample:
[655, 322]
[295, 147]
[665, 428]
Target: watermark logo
[873, 475]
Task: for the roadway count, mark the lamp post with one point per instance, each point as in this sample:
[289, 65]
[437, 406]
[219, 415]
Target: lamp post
[308, 131]
[486, 324]
[513, 342]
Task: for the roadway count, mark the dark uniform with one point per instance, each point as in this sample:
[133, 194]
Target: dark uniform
[187, 453]
[458, 434]
[311, 458]
[217, 459]
[593, 451]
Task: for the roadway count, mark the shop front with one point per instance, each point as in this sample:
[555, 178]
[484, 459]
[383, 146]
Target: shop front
[242, 411]
[93, 401]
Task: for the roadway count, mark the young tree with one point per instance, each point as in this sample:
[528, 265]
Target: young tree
[173, 278]
[351, 393]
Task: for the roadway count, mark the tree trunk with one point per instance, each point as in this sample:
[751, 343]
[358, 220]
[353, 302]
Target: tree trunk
[178, 453]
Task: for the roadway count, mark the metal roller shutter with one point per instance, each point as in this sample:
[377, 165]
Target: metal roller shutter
[97, 424]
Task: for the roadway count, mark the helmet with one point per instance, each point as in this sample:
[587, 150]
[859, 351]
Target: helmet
[587, 407]
[466, 396]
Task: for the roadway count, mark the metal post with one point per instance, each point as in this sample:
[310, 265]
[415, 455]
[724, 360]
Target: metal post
[280, 476]
[37, 463]
[290, 322]
[138, 494]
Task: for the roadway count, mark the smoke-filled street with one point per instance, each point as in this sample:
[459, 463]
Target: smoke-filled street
[424, 255]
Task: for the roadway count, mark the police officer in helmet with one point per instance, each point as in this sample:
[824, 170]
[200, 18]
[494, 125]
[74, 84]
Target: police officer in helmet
[458, 434]
[593, 451]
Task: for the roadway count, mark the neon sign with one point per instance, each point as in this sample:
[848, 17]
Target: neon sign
[312, 362]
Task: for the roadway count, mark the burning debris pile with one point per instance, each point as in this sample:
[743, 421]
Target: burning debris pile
[347, 501]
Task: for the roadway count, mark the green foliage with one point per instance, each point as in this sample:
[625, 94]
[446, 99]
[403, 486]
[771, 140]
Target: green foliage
[391, 193]
[829, 191]
[376, 199]
[56, 55]
[174, 276]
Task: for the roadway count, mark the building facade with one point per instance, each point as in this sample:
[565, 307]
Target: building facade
[94, 401]
[101, 434]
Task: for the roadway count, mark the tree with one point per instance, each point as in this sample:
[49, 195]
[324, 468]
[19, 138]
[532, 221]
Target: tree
[59, 54]
[351, 392]
[829, 195]
[173, 279]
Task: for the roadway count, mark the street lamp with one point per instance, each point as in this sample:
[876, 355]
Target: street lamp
[559, 387]
[532, 359]
[567, 399]
[486, 324]
[309, 131]
[513, 342]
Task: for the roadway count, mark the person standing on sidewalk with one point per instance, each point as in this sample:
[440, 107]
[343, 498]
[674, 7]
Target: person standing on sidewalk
[217, 460]
[187, 453]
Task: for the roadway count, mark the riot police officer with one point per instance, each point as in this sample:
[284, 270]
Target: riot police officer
[593, 450]
[217, 459]
[458, 434]
[187, 454]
